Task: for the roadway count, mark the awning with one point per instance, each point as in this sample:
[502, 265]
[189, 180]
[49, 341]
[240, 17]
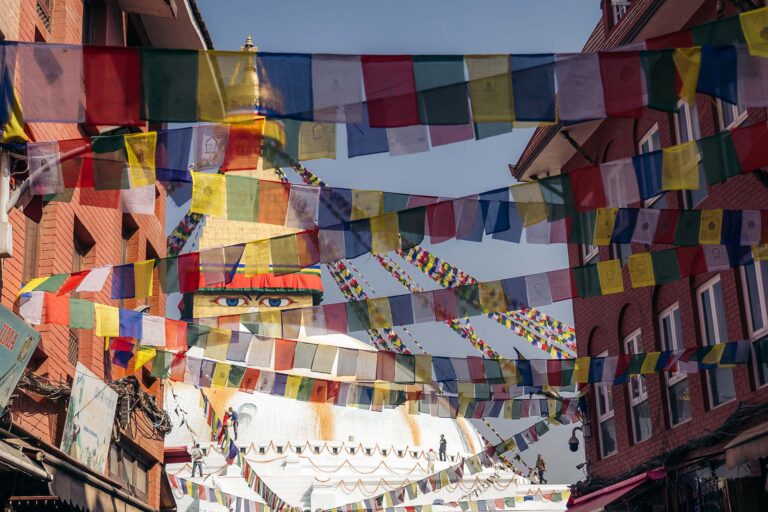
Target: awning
[598, 500]
[751, 444]
[14, 459]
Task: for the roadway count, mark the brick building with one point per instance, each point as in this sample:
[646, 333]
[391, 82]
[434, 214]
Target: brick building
[670, 420]
[71, 237]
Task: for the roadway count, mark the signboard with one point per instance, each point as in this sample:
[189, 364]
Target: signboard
[17, 343]
[91, 413]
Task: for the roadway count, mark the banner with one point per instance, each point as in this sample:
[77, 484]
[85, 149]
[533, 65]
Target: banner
[17, 344]
[85, 439]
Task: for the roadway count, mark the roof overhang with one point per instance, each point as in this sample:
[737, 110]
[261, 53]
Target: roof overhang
[598, 500]
[752, 444]
[557, 150]
[184, 30]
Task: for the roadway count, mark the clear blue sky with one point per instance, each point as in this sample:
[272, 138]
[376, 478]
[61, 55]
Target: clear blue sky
[431, 27]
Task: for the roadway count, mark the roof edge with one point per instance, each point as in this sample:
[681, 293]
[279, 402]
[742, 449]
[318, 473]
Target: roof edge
[198, 16]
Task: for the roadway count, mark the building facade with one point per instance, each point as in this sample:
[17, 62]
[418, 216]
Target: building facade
[675, 421]
[63, 237]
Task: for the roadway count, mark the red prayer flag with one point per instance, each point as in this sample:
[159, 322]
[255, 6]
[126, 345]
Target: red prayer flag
[112, 85]
[587, 188]
[72, 282]
[308, 248]
[385, 366]
[476, 369]
[622, 83]
[121, 343]
[284, 352]
[243, 146]
[666, 227]
[555, 372]
[335, 316]
[273, 202]
[622, 363]
[175, 334]
[56, 309]
[189, 272]
[333, 390]
[446, 305]
[250, 379]
[691, 261]
[751, 145]
[390, 90]
[178, 367]
[441, 222]
[77, 168]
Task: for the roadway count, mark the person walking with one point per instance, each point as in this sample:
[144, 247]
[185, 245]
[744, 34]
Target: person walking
[431, 457]
[443, 445]
[541, 467]
[197, 459]
[234, 420]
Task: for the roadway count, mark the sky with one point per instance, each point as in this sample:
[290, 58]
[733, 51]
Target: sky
[431, 27]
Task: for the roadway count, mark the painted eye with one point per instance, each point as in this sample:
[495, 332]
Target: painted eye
[230, 302]
[275, 302]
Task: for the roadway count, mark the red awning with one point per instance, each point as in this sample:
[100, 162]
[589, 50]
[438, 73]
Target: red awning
[597, 500]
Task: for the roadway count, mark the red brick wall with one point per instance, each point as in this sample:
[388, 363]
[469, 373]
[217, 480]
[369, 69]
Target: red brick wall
[603, 322]
[39, 416]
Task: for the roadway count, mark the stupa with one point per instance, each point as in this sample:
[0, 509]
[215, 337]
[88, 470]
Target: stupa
[313, 455]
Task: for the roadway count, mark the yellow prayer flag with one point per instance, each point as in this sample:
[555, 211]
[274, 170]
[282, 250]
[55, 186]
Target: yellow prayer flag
[284, 255]
[604, 221]
[423, 368]
[217, 343]
[380, 394]
[270, 323]
[473, 506]
[292, 385]
[506, 412]
[140, 148]
[32, 284]
[714, 355]
[379, 313]
[142, 278]
[509, 371]
[609, 273]
[688, 61]
[385, 235]
[581, 370]
[754, 24]
[209, 194]
[317, 140]
[641, 270]
[13, 131]
[680, 167]
[367, 203]
[220, 375]
[649, 363]
[107, 321]
[143, 356]
[492, 298]
[530, 202]
[490, 88]
[256, 258]
[711, 226]
[462, 410]
[760, 252]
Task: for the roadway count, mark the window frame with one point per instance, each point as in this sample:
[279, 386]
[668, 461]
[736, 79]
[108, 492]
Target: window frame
[762, 295]
[606, 390]
[710, 285]
[738, 117]
[588, 253]
[619, 10]
[647, 138]
[673, 378]
[632, 345]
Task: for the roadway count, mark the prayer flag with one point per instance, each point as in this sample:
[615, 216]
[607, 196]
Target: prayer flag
[51, 82]
[587, 280]
[604, 224]
[390, 90]
[529, 202]
[711, 226]
[660, 79]
[95, 280]
[622, 83]
[243, 147]
[169, 85]
[210, 146]
[72, 282]
[45, 173]
[490, 88]
[123, 281]
[718, 157]
[441, 135]
[645, 226]
[752, 80]
[609, 273]
[143, 356]
[118, 103]
[754, 24]
[718, 75]
[688, 228]
[153, 330]
[362, 139]
[285, 258]
[680, 167]
[142, 275]
[107, 320]
[619, 183]
[751, 145]
[641, 270]
[665, 269]
[579, 87]
[337, 85]
[317, 140]
[441, 90]
[242, 198]
[289, 94]
[441, 221]
[209, 192]
[56, 309]
[130, 324]
[407, 140]
[533, 83]
[384, 233]
[687, 61]
[302, 206]
[273, 202]
[188, 268]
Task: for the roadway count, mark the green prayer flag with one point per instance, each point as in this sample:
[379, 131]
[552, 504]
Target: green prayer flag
[197, 335]
[80, 314]
[587, 281]
[660, 75]
[235, 376]
[486, 130]
[161, 364]
[169, 85]
[558, 195]
[411, 225]
[441, 90]
[53, 283]
[541, 428]
[168, 274]
[468, 300]
[517, 406]
[583, 228]
[110, 163]
[357, 316]
[635, 364]
[305, 389]
[687, 231]
[242, 198]
[723, 32]
[567, 371]
[665, 267]
[718, 157]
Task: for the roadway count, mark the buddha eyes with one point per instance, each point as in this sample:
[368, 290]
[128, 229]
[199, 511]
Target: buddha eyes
[231, 302]
[265, 302]
[275, 302]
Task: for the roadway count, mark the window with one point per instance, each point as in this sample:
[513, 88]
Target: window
[687, 129]
[755, 277]
[589, 253]
[279, 449]
[32, 243]
[128, 470]
[648, 143]
[730, 115]
[638, 394]
[298, 450]
[620, 8]
[605, 417]
[94, 21]
[713, 330]
[678, 396]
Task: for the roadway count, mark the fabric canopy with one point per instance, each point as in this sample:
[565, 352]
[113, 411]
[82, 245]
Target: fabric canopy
[599, 499]
[752, 444]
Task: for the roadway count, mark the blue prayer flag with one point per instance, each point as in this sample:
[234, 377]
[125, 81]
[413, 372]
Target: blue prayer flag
[648, 172]
[172, 155]
[289, 94]
[718, 74]
[364, 140]
[402, 309]
[123, 284]
[626, 218]
[130, 324]
[533, 87]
